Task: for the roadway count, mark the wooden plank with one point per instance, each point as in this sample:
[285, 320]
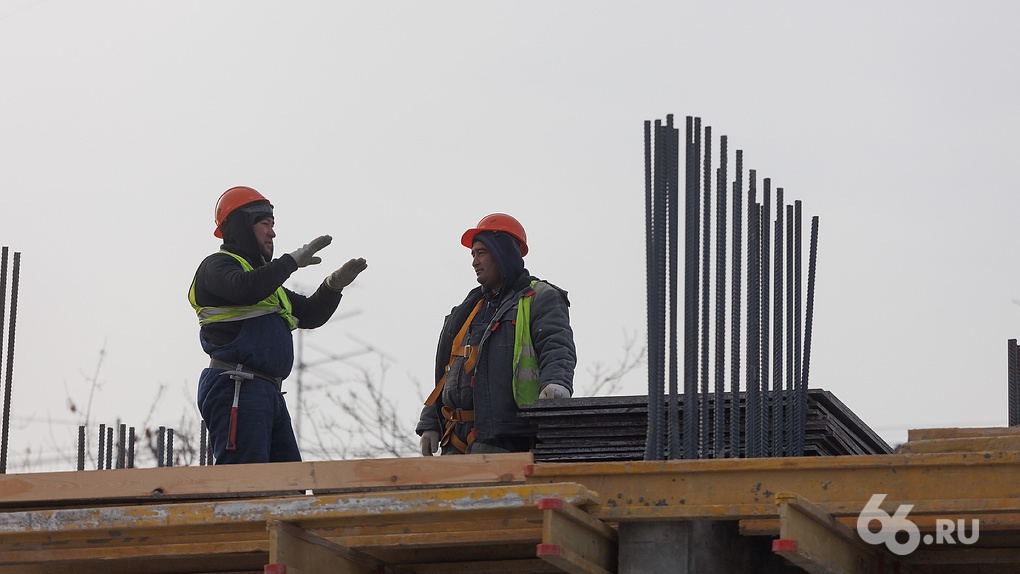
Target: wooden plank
[816, 542]
[925, 523]
[996, 443]
[484, 517]
[963, 432]
[302, 552]
[575, 541]
[736, 489]
[232, 481]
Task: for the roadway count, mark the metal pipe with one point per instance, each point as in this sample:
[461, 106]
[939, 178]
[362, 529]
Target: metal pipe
[734, 451]
[10, 363]
[692, 208]
[706, 254]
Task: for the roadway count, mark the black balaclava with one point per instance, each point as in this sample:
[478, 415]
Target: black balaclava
[238, 232]
[507, 253]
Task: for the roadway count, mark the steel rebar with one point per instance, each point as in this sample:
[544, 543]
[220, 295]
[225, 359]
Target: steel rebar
[777, 331]
[121, 444]
[753, 322]
[672, 215]
[809, 310]
[102, 446]
[1013, 384]
[734, 450]
[109, 447]
[766, 392]
[131, 448]
[788, 396]
[81, 448]
[651, 438]
[705, 268]
[692, 206]
[720, 300]
[160, 446]
[9, 381]
[801, 392]
[169, 447]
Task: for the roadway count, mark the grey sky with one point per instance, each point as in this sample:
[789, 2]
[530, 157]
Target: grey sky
[394, 126]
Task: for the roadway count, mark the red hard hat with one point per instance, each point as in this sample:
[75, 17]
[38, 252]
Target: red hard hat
[232, 199]
[498, 222]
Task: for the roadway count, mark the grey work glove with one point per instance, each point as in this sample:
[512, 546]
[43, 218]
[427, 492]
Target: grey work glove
[346, 274]
[554, 391]
[305, 255]
[429, 442]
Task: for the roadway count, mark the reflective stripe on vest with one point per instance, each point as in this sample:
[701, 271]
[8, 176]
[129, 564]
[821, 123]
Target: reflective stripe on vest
[526, 375]
[278, 303]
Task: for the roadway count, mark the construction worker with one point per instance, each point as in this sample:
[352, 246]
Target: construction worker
[246, 318]
[508, 344]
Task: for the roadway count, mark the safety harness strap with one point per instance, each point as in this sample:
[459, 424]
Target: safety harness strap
[458, 351]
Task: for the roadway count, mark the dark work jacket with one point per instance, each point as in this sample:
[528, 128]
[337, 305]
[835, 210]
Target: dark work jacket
[264, 343]
[490, 393]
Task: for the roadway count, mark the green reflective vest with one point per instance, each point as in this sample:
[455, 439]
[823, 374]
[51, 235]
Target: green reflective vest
[526, 376]
[278, 303]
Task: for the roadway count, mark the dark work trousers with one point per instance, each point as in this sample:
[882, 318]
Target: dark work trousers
[264, 432]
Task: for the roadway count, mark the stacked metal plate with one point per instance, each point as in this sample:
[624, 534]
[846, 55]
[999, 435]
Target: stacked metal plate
[588, 429]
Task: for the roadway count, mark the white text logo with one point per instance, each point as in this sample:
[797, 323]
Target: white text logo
[890, 526]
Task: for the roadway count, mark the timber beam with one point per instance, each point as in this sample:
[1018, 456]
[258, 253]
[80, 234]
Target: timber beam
[156, 485]
[736, 489]
[818, 543]
[399, 528]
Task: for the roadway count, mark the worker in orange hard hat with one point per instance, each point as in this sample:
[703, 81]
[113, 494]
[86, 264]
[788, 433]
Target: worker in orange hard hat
[246, 317]
[507, 345]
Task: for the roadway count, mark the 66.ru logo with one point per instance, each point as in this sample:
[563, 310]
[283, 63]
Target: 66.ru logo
[898, 522]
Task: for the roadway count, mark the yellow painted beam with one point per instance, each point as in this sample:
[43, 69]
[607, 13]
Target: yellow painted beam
[233, 481]
[424, 519]
[818, 543]
[303, 552]
[734, 489]
[999, 443]
[962, 432]
[575, 541]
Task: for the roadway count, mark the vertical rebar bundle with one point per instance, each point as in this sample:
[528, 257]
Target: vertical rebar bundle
[767, 417]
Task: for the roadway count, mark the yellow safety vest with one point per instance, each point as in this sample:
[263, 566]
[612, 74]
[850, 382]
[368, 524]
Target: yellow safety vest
[278, 303]
[526, 376]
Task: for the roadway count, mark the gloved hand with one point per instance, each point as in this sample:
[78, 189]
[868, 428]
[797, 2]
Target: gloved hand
[305, 254]
[554, 391]
[346, 274]
[429, 442]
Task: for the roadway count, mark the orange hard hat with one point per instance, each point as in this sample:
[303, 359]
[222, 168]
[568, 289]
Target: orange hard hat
[232, 199]
[498, 222]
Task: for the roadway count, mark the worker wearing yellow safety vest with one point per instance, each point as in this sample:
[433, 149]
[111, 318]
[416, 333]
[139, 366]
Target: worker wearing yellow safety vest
[507, 345]
[246, 318]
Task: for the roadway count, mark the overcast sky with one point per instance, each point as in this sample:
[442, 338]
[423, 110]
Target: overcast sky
[394, 126]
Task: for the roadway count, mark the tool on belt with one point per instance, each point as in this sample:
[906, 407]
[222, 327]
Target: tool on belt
[239, 373]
